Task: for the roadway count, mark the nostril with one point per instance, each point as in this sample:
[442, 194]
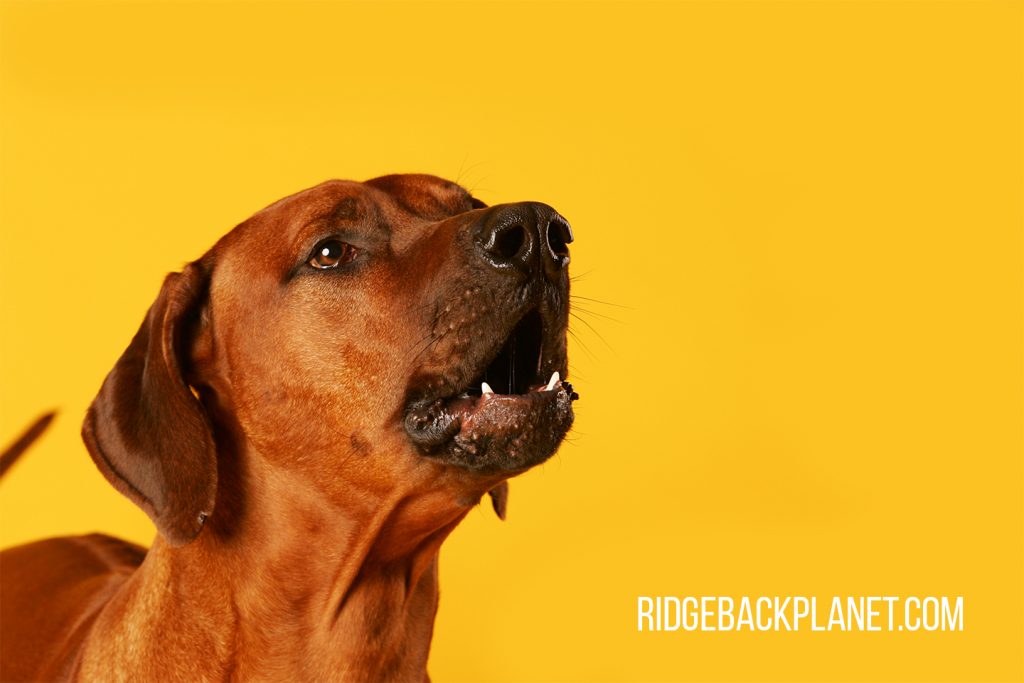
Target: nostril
[529, 237]
[509, 241]
[559, 238]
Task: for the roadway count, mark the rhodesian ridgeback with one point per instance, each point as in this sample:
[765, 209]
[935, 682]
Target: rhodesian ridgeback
[306, 413]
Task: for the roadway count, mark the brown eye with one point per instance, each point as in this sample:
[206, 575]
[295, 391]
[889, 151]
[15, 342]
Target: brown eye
[331, 254]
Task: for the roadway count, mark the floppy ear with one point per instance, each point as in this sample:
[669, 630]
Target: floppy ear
[499, 499]
[146, 431]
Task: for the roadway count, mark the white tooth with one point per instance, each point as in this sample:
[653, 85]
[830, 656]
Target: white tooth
[552, 382]
[486, 388]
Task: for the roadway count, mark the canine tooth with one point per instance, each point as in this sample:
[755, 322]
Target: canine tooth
[485, 388]
[553, 381]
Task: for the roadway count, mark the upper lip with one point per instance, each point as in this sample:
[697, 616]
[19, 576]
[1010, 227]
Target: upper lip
[514, 365]
[500, 413]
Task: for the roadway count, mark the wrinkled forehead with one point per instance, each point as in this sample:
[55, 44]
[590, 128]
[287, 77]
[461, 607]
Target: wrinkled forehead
[425, 196]
[406, 198]
[390, 209]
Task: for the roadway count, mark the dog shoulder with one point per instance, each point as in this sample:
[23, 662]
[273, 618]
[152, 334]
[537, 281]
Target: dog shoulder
[49, 589]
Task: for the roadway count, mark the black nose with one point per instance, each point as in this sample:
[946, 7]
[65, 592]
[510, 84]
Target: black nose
[530, 237]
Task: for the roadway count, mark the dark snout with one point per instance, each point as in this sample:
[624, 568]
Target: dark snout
[528, 238]
[490, 394]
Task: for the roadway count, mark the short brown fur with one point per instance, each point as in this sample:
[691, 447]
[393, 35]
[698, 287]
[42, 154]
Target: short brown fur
[256, 417]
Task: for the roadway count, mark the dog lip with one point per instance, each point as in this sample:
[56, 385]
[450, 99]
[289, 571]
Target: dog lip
[486, 390]
[505, 409]
[494, 431]
[435, 421]
[468, 379]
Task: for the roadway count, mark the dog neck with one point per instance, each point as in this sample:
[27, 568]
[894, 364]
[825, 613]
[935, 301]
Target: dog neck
[284, 583]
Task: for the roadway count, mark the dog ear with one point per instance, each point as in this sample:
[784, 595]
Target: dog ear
[499, 499]
[146, 431]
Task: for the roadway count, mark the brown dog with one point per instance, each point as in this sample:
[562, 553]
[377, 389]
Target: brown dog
[306, 413]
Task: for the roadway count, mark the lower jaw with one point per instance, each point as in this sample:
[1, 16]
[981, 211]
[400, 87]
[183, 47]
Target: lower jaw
[500, 433]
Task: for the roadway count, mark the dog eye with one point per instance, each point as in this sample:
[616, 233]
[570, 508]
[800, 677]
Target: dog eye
[331, 254]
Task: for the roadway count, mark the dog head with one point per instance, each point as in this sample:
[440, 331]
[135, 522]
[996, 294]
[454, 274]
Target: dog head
[364, 336]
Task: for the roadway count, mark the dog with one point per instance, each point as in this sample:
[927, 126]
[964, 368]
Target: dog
[306, 413]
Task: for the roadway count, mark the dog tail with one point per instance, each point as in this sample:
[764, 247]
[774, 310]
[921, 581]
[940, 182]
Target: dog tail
[15, 450]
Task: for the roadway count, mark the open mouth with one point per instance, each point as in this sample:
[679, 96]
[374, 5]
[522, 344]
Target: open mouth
[507, 417]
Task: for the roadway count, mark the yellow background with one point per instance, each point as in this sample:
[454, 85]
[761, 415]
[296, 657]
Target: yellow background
[807, 214]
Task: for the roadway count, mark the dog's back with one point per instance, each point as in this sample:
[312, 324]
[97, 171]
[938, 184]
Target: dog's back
[74, 576]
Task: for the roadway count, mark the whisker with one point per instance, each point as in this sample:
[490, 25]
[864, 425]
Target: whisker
[574, 373]
[476, 187]
[512, 368]
[582, 345]
[599, 301]
[592, 329]
[419, 341]
[458, 178]
[596, 314]
[431, 345]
